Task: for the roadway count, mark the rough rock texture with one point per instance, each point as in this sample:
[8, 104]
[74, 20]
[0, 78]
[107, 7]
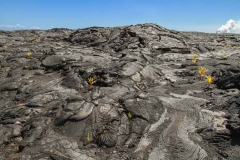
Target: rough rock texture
[147, 100]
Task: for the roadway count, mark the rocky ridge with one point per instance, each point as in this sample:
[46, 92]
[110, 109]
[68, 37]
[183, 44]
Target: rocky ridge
[146, 100]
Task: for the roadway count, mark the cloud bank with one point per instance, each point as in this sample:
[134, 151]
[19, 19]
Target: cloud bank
[16, 27]
[230, 27]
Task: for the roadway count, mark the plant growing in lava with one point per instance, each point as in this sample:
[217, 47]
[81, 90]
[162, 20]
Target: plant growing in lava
[5, 47]
[228, 45]
[194, 61]
[29, 54]
[100, 78]
[209, 80]
[89, 137]
[223, 54]
[28, 66]
[90, 81]
[194, 58]
[129, 115]
[201, 71]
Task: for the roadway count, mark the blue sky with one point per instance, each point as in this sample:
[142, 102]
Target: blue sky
[182, 15]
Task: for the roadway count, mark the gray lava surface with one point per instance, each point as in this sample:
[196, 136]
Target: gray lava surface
[121, 93]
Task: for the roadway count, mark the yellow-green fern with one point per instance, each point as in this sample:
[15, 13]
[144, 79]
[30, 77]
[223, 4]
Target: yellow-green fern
[129, 115]
[89, 137]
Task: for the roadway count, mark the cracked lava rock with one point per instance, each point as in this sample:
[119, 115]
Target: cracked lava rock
[146, 100]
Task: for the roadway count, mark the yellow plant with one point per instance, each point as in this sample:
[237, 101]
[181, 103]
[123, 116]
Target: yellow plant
[202, 71]
[129, 115]
[235, 47]
[5, 47]
[194, 61]
[29, 54]
[228, 45]
[195, 56]
[37, 40]
[209, 79]
[91, 80]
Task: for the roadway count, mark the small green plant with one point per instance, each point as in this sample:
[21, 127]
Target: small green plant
[100, 78]
[129, 115]
[37, 40]
[28, 66]
[89, 137]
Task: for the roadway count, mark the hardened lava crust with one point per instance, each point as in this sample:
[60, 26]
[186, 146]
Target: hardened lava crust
[134, 92]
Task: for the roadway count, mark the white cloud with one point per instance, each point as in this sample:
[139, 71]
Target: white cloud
[51, 27]
[197, 28]
[230, 27]
[11, 26]
[34, 27]
[15, 27]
